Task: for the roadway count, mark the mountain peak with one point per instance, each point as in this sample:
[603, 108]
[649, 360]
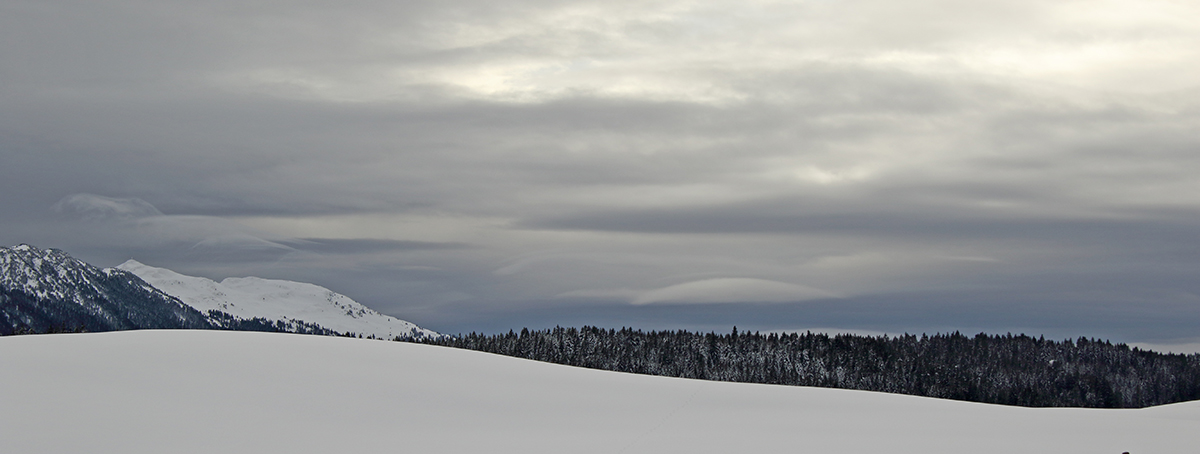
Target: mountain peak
[130, 264]
[48, 290]
[276, 300]
[36, 270]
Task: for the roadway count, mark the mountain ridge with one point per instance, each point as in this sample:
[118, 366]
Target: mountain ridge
[276, 300]
[50, 291]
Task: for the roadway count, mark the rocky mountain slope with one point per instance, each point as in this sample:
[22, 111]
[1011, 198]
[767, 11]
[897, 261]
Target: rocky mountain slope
[50, 291]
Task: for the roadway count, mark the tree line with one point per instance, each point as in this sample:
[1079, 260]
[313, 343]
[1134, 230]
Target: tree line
[1002, 369]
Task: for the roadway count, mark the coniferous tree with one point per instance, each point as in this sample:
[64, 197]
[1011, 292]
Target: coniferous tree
[1007, 369]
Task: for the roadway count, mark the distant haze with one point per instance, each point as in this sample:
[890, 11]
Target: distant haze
[870, 166]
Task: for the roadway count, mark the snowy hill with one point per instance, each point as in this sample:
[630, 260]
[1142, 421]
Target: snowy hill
[47, 290]
[240, 392]
[276, 300]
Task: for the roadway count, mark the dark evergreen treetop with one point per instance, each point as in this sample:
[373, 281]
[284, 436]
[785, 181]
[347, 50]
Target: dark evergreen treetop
[1002, 369]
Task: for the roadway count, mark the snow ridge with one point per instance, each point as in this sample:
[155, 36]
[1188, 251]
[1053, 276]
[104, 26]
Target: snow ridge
[276, 301]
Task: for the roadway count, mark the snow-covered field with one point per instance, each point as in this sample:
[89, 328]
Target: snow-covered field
[225, 392]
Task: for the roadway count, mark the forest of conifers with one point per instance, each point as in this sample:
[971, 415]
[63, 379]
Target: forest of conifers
[1001, 369]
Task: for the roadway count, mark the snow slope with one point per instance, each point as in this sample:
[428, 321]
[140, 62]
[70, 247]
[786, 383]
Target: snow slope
[243, 392]
[275, 300]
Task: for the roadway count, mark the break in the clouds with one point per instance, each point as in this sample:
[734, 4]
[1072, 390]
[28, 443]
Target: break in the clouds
[865, 165]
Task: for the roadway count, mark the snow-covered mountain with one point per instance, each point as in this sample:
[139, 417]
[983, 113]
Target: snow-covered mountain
[48, 290]
[277, 301]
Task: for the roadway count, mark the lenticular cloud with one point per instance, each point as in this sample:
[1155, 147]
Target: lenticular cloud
[745, 290]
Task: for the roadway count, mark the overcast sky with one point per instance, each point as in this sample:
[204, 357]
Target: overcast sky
[878, 166]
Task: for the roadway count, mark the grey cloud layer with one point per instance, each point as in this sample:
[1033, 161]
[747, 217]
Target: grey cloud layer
[533, 160]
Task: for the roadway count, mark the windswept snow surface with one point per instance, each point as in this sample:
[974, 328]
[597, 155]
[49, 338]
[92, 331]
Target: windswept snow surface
[275, 300]
[241, 392]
